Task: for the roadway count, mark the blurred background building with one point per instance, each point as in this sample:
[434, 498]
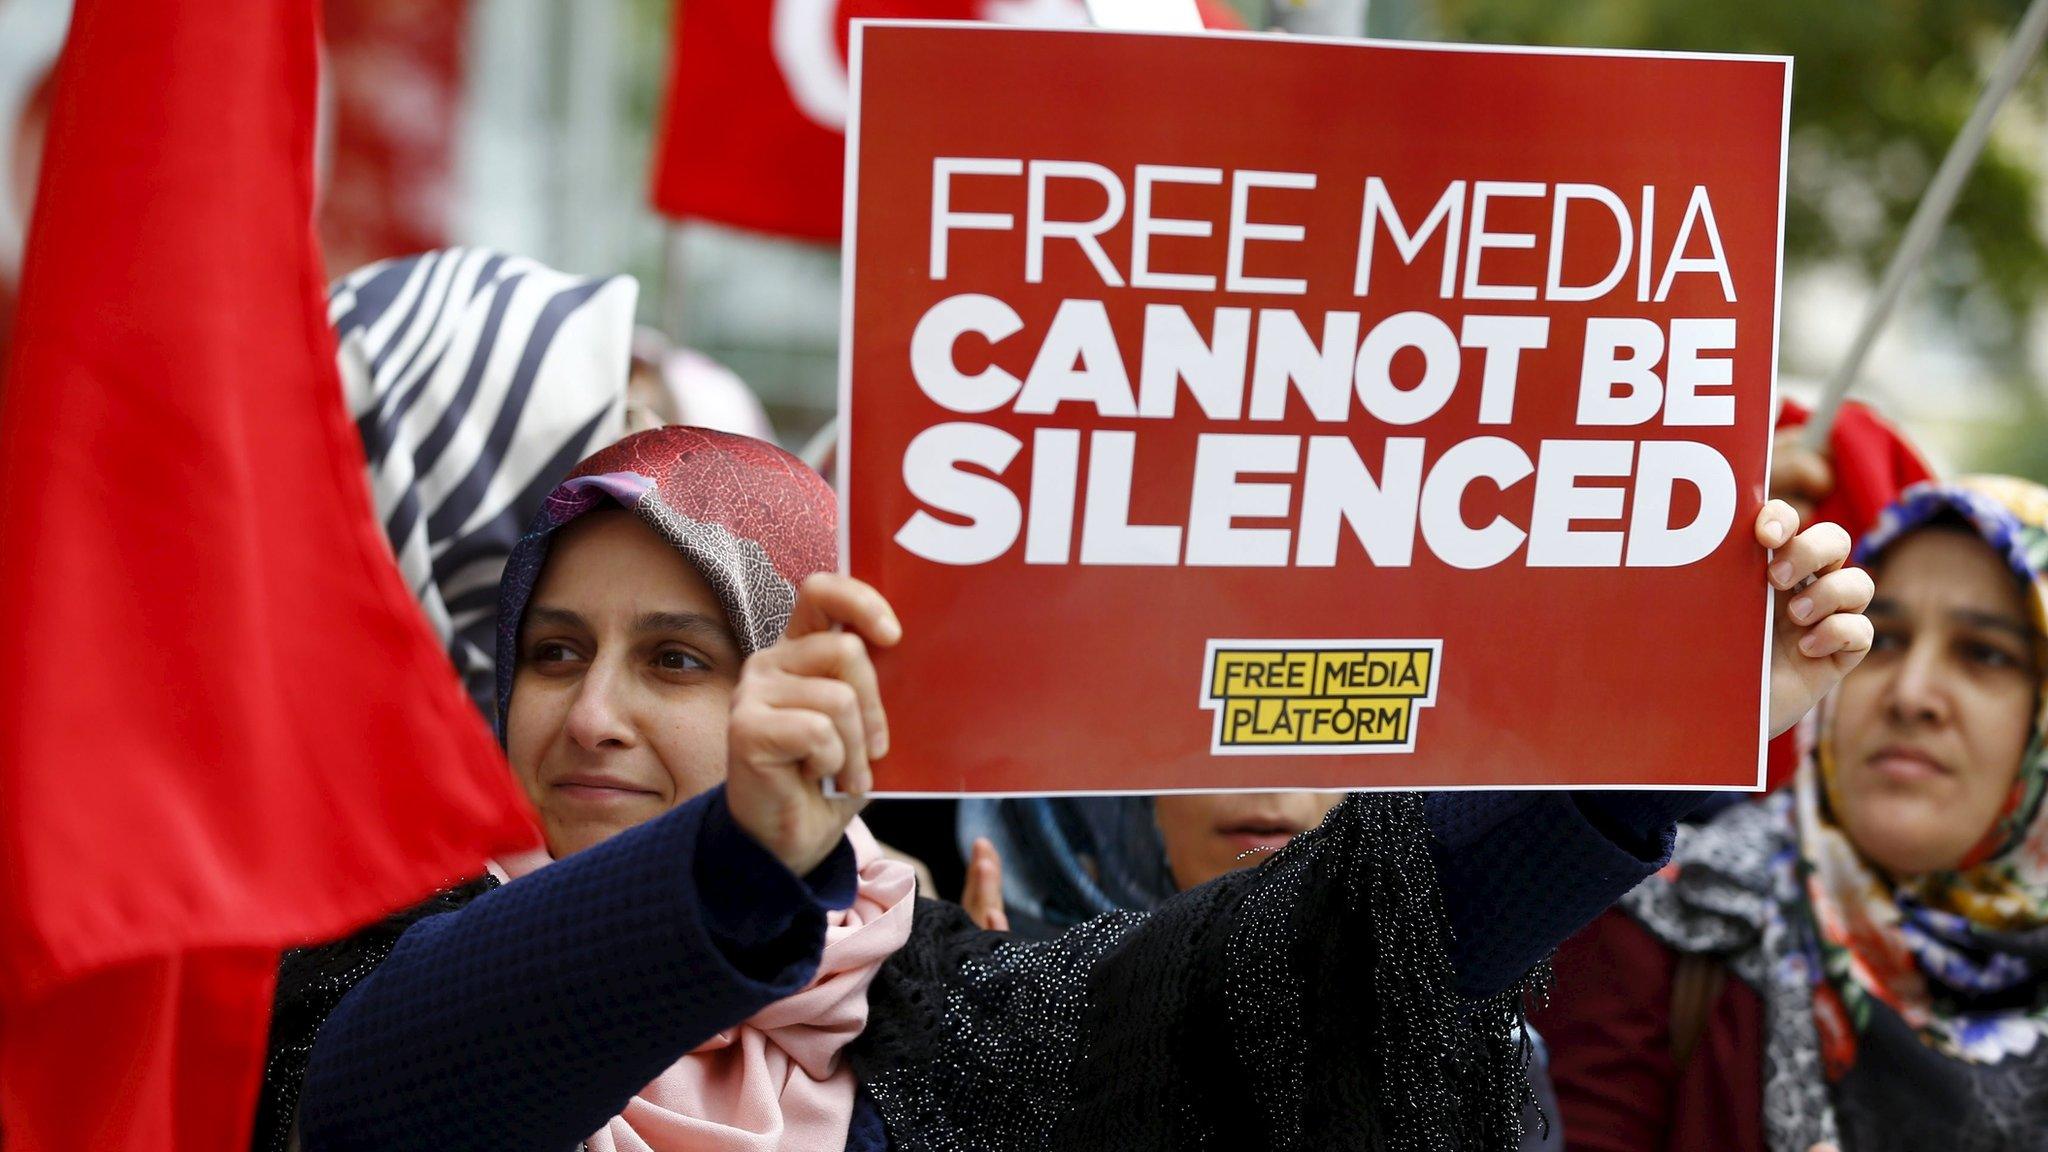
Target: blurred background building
[532, 125]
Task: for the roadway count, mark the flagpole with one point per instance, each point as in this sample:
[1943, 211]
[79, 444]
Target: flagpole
[1932, 212]
[817, 451]
[1145, 15]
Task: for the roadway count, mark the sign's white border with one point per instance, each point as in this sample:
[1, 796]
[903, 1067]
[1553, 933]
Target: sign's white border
[850, 217]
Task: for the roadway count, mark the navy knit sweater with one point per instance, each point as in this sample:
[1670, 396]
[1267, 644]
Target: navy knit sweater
[529, 1017]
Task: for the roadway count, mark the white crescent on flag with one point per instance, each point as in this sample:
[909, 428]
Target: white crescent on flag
[805, 38]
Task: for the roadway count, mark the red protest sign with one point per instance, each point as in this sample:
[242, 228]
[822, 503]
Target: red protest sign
[1234, 412]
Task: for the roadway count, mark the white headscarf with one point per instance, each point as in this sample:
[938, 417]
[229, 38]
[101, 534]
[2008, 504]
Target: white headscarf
[477, 381]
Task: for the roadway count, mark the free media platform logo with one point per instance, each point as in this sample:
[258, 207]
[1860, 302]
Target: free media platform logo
[1317, 697]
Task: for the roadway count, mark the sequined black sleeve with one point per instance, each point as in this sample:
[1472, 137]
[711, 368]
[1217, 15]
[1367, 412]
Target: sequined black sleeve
[1309, 1003]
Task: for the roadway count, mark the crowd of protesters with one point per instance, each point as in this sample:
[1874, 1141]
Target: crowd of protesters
[713, 952]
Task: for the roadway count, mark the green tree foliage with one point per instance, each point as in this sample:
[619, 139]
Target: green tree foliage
[1880, 88]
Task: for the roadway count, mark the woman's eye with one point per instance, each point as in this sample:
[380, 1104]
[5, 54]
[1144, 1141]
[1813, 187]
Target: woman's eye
[1990, 655]
[678, 660]
[551, 652]
[1883, 641]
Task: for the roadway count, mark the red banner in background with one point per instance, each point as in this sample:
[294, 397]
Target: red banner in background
[753, 133]
[394, 79]
[1203, 445]
[394, 85]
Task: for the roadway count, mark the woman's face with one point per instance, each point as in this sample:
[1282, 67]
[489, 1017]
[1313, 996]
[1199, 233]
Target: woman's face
[626, 672]
[1206, 834]
[1929, 730]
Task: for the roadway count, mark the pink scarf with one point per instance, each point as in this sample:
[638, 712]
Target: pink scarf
[777, 1081]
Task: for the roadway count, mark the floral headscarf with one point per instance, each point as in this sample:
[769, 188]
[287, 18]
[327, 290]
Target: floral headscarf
[1903, 1015]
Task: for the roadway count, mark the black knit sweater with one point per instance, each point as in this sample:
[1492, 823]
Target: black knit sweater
[1355, 991]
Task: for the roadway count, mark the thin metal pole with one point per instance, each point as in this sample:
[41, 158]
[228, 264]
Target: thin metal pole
[819, 449]
[1931, 213]
[1145, 15]
[675, 284]
[1318, 17]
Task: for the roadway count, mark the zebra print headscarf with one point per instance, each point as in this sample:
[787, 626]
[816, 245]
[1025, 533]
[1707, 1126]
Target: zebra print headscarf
[476, 380]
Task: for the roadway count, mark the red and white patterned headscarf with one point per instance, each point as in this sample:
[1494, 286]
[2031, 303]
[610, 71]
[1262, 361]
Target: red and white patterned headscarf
[752, 519]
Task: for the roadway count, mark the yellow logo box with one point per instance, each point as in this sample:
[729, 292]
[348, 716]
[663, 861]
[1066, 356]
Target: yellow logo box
[1318, 696]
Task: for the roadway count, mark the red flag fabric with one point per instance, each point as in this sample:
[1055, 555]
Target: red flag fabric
[386, 179]
[753, 132]
[1872, 461]
[224, 726]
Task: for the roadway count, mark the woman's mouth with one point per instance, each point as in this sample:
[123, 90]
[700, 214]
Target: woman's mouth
[1256, 836]
[1906, 764]
[587, 789]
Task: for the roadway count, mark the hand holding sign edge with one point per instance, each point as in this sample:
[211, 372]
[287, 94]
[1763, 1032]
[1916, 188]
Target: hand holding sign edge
[808, 709]
[1821, 632]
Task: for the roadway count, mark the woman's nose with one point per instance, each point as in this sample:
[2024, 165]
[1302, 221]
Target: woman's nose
[1919, 690]
[599, 717]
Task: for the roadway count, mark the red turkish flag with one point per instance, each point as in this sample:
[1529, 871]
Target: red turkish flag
[1872, 460]
[753, 133]
[225, 728]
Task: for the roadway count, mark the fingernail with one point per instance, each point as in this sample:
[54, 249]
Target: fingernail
[892, 629]
[1781, 573]
[878, 745]
[1810, 644]
[1801, 608]
[1774, 533]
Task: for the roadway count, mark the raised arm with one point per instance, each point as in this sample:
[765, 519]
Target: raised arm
[528, 1018]
[1522, 872]
[1359, 989]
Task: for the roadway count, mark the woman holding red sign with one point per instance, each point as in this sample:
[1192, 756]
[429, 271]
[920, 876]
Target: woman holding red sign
[1860, 958]
[715, 957]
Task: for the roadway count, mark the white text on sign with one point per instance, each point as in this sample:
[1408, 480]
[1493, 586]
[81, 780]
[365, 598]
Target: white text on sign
[1264, 364]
